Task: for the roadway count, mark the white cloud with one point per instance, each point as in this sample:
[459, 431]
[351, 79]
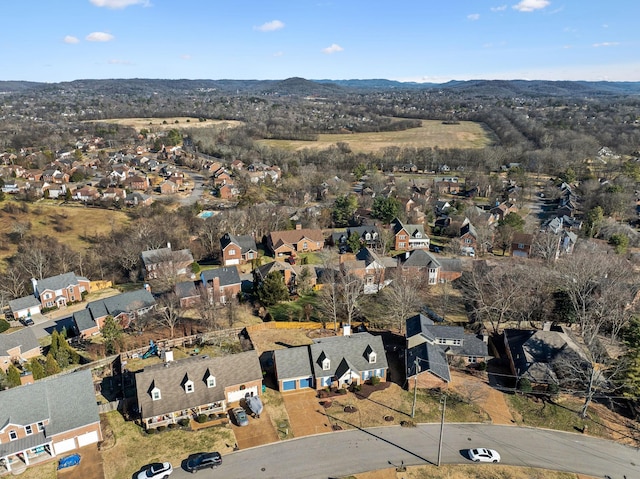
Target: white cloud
[531, 5]
[473, 17]
[605, 44]
[118, 4]
[278, 54]
[99, 37]
[71, 39]
[332, 49]
[605, 25]
[271, 26]
[119, 62]
[501, 8]
[186, 56]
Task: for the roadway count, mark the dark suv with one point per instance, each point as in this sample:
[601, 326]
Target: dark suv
[203, 460]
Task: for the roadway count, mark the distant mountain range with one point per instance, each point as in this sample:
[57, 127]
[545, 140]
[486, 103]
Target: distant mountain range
[303, 87]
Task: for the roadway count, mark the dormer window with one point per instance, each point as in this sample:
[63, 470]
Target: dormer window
[372, 357]
[188, 387]
[155, 394]
[326, 364]
[418, 235]
[211, 382]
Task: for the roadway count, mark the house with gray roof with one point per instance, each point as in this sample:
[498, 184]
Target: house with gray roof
[238, 249]
[337, 362]
[57, 291]
[184, 389]
[124, 308]
[409, 237]
[430, 348]
[369, 235]
[187, 293]
[222, 284]
[167, 263]
[422, 263]
[24, 307]
[19, 346]
[48, 418]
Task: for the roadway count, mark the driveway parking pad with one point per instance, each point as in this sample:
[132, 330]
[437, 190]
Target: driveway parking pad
[306, 415]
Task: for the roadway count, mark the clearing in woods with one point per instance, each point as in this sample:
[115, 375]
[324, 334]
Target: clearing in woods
[432, 133]
[169, 123]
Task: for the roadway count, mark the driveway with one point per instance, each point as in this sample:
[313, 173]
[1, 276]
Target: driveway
[306, 416]
[90, 465]
[257, 433]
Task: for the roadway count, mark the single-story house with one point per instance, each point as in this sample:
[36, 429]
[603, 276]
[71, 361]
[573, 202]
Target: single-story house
[337, 361]
[50, 417]
[183, 389]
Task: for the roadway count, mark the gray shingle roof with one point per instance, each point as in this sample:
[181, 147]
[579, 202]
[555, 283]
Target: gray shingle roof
[25, 338]
[431, 358]
[229, 371]
[352, 348]
[162, 255]
[23, 303]
[67, 401]
[60, 281]
[416, 324]
[421, 259]
[246, 243]
[293, 363]
[186, 289]
[228, 275]
[113, 306]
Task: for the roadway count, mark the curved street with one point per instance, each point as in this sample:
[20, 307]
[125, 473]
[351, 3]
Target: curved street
[355, 451]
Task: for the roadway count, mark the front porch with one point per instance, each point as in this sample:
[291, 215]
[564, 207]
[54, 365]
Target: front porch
[16, 456]
[175, 417]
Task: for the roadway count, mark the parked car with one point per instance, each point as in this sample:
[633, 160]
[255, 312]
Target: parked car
[203, 460]
[157, 470]
[27, 322]
[483, 455]
[240, 416]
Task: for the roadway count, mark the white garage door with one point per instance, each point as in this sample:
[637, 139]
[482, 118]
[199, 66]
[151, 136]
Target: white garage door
[230, 262]
[64, 446]
[88, 438]
[235, 396]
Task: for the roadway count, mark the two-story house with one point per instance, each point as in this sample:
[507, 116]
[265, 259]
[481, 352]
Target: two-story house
[289, 242]
[521, 245]
[422, 264]
[167, 263]
[222, 284]
[367, 266]
[367, 235]
[238, 249]
[124, 308]
[188, 387]
[336, 362]
[409, 237]
[50, 417]
[57, 291]
[430, 348]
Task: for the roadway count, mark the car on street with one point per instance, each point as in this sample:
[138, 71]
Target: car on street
[481, 454]
[156, 470]
[203, 460]
[240, 416]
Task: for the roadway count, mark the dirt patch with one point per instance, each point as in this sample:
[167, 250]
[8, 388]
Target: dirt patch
[477, 390]
[90, 465]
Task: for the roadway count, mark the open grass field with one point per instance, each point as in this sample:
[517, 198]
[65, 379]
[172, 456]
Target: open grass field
[69, 224]
[432, 133]
[169, 123]
[484, 471]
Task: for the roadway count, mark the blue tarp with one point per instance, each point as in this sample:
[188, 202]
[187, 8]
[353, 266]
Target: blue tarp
[69, 461]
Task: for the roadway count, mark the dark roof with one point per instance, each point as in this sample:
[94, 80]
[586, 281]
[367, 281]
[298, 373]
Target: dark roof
[416, 324]
[163, 255]
[419, 258]
[453, 265]
[50, 399]
[338, 237]
[468, 228]
[293, 363]
[228, 275]
[25, 338]
[522, 238]
[113, 306]
[23, 303]
[186, 289]
[169, 378]
[430, 358]
[246, 243]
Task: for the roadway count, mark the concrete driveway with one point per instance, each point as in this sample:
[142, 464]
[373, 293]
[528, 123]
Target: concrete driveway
[306, 415]
[257, 433]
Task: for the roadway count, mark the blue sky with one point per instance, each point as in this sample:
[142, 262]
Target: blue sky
[406, 40]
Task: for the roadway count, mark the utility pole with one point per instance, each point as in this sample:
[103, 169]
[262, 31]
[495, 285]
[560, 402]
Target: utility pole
[443, 401]
[415, 387]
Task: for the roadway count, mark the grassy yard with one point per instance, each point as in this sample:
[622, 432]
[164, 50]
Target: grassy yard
[295, 310]
[130, 448]
[432, 133]
[467, 472]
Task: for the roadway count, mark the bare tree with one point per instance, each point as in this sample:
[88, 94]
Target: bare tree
[168, 311]
[546, 245]
[351, 289]
[208, 311]
[328, 298]
[12, 282]
[402, 297]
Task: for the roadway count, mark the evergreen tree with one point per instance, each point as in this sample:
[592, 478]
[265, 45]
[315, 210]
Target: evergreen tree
[273, 290]
[354, 242]
[385, 208]
[13, 376]
[111, 332]
[51, 365]
[55, 343]
[36, 368]
[343, 209]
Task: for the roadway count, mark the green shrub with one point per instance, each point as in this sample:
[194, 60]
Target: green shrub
[172, 425]
[375, 380]
[524, 385]
[4, 325]
[161, 428]
[212, 417]
[202, 418]
[342, 391]
[150, 431]
[553, 389]
[184, 422]
[482, 366]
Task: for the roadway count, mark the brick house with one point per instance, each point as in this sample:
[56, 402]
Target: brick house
[188, 293]
[409, 237]
[168, 187]
[222, 284]
[337, 362]
[188, 387]
[422, 264]
[238, 249]
[48, 418]
[166, 263]
[430, 348]
[290, 274]
[57, 291]
[521, 245]
[288, 242]
[18, 346]
[124, 308]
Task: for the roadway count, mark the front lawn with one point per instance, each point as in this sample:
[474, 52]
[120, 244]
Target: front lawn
[295, 310]
[130, 447]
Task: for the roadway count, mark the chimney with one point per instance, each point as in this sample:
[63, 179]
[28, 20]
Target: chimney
[485, 336]
[298, 226]
[34, 283]
[168, 245]
[546, 326]
[147, 286]
[346, 330]
[167, 355]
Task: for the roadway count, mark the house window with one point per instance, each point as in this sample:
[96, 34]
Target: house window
[472, 359]
[13, 435]
[457, 342]
[372, 358]
[442, 341]
[402, 237]
[418, 235]
[326, 364]
[401, 245]
[28, 430]
[232, 252]
[467, 240]
[305, 245]
[188, 387]
[47, 295]
[250, 255]
[155, 394]
[520, 246]
[211, 382]
[40, 426]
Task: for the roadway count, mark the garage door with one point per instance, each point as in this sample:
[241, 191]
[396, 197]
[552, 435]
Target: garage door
[305, 383]
[235, 396]
[64, 446]
[230, 262]
[288, 385]
[88, 438]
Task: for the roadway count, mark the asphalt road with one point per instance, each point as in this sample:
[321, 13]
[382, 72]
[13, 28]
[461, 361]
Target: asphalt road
[349, 452]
